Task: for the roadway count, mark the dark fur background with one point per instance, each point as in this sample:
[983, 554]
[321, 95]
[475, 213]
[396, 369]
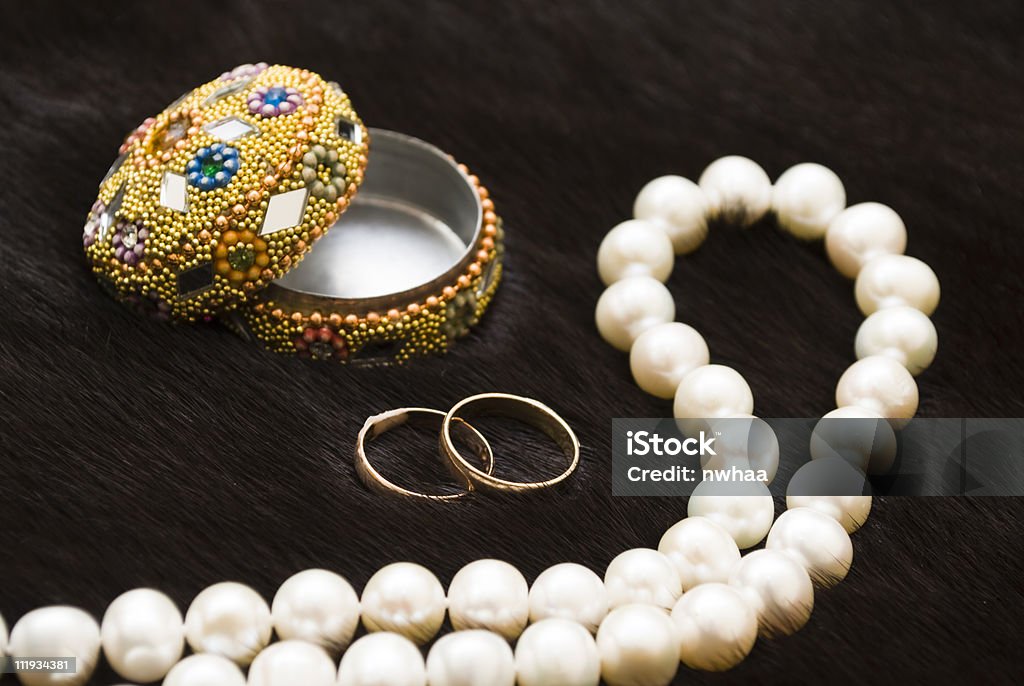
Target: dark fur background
[138, 454]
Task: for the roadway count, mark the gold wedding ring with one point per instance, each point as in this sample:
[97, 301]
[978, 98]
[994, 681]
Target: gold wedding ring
[526, 410]
[425, 418]
[471, 476]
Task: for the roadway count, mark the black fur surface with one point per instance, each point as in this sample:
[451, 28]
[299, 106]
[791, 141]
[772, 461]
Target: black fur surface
[138, 454]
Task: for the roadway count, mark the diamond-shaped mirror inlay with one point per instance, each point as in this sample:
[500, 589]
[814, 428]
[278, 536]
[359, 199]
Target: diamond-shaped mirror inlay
[349, 130]
[174, 192]
[284, 211]
[225, 91]
[196, 279]
[110, 212]
[229, 128]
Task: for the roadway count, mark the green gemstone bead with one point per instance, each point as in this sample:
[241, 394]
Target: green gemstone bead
[241, 258]
[212, 165]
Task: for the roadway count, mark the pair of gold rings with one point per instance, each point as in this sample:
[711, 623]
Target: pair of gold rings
[472, 474]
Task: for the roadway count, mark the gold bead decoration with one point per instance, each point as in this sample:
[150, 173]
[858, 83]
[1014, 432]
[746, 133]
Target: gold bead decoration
[176, 259]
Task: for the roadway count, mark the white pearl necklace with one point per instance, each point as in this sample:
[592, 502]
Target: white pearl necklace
[671, 360]
[694, 599]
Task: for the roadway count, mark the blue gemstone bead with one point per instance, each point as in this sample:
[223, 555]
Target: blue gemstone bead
[205, 183]
[228, 151]
[202, 153]
[275, 96]
[221, 179]
[230, 165]
[192, 166]
[193, 178]
[217, 147]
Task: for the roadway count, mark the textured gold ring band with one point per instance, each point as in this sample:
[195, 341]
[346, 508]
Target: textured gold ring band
[425, 418]
[517, 407]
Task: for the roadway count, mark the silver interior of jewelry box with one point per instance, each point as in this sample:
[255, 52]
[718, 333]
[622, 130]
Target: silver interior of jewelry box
[412, 226]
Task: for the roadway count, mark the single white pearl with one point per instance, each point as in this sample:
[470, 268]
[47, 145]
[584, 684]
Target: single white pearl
[679, 207]
[738, 190]
[858, 435]
[489, 594]
[143, 635]
[861, 233]
[713, 390]
[229, 619]
[806, 198]
[557, 652]
[743, 508]
[292, 662]
[716, 626]
[319, 607]
[629, 307]
[903, 333]
[894, 280]
[569, 591]
[57, 631]
[815, 540]
[382, 659]
[833, 486]
[778, 588]
[638, 647]
[205, 670]
[662, 355]
[701, 551]
[881, 384]
[404, 598]
[745, 442]
[635, 248]
[468, 658]
[642, 575]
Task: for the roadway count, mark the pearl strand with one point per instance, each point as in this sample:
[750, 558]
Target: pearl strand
[671, 360]
[693, 600]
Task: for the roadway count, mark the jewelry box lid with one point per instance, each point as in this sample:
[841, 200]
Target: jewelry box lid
[225, 191]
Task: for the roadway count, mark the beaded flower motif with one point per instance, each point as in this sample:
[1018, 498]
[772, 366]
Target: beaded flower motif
[129, 241]
[244, 70]
[212, 167]
[323, 173]
[460, 315]
[274, 101]
[240, 256]
[321, 344]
